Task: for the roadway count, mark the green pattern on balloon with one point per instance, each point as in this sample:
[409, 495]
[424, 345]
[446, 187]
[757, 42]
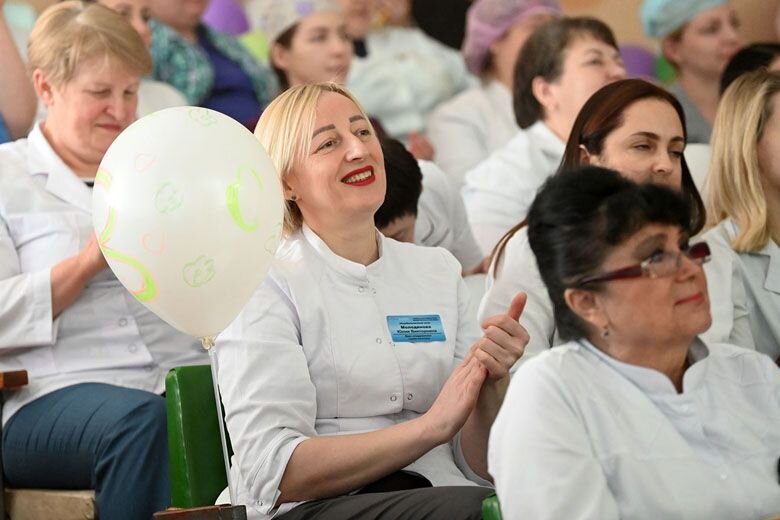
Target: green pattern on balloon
[202, 116]
[199, 272]
[148, 289]
[104, 178]
[167, 199]
[233, 203]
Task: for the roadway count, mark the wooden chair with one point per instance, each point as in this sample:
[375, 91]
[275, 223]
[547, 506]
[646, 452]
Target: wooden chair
[41, 504]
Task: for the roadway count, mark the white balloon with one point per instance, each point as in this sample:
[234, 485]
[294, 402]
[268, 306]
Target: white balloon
[188, 210]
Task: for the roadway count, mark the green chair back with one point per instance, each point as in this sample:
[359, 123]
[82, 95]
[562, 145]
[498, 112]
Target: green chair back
[195, 453]
[197, 467]
[491, 510]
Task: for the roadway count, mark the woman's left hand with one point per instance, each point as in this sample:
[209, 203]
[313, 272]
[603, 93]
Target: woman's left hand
[504, 340]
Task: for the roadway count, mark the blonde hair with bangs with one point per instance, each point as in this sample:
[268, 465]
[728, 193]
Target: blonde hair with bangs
[285, 131]
[70, 33]
[734, 187]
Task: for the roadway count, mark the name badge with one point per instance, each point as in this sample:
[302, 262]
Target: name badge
[422, 328]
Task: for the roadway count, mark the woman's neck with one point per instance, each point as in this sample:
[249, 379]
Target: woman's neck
[559, 127]
[355, 243]
[704, 92]
[670, 360]
[78, 165]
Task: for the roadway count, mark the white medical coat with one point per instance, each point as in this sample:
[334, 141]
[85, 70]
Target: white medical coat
[582, 435]
[757, 276]
[469, 127]
[311, 354]
[404, 77]
[441, 218]
[105, 336]
[499, 190]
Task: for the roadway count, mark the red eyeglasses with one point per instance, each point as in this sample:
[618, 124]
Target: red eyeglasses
[661, 264]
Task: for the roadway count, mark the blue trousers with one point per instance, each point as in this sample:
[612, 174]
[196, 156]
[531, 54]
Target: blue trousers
[93, 436]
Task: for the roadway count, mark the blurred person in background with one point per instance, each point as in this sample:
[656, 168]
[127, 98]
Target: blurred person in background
[561, 64]
[473, 124]
[698, 37]
[211, 69]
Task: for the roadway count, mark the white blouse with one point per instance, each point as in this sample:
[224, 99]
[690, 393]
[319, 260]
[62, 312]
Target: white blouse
[317, 351]
[582, 435]
[469, 127]
[757, 276]
[499, 190]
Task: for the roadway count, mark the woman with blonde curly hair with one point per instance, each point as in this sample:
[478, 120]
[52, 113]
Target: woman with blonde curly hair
[743, 203]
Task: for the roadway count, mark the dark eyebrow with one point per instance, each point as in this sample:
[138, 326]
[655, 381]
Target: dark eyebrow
[323, 129]
[656, 137]
[649, 244]
[356, 118]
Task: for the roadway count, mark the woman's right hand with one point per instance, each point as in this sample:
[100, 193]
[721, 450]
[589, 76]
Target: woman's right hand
[456, 400]
[91, 258]
[69, 277]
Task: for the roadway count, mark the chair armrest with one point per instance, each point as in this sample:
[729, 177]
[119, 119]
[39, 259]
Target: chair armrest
[218, 512]
[13, 379]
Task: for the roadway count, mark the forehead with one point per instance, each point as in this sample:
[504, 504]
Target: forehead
[332, 107]
[715, 13]
[103, 68]
[583, 41]
[323, 19]
[662, 234]
[651, 115]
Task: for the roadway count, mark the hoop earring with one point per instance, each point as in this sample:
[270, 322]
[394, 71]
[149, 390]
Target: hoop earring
[293, 198]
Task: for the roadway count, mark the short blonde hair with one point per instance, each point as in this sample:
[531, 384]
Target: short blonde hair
[70, 33]
[734, 188]
[285, 131]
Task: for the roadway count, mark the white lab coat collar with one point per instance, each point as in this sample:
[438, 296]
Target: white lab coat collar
[549, 143]
[772, 280]
[651, 381]
[42, 160]
[347, 268]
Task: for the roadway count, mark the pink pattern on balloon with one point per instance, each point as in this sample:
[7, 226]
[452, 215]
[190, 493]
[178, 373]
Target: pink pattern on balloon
[154, 244]
[144, 161]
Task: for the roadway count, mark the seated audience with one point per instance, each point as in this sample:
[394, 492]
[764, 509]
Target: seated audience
[638, 129]
[211, 69]
[421, 206]
[635, 416]
[92, 416]
[743, 201]
[306, 46]
[752, 57]
[698, 37]
[355, 383]
[402, 74]
[561, 64]
[152, 95]
[17, 97]
[473, 124]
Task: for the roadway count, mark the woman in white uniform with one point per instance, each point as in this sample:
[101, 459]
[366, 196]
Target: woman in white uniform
[698, 37]
[638, 129]
[635, 416]
[307, 41]
[562, 63]
[470, 126]
[743, 201]
[355, 380]
[92, 416]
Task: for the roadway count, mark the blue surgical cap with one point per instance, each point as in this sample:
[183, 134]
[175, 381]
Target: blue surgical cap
[660, 18]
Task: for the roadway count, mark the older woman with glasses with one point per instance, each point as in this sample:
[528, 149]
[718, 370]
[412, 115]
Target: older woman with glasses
[635, 416]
